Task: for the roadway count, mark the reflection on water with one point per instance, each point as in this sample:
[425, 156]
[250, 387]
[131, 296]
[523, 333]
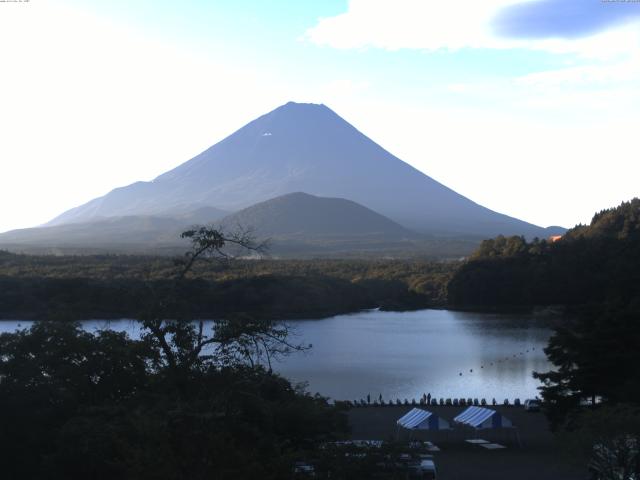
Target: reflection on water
[405, 354]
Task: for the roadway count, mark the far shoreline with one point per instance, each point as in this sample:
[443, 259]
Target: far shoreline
[551, 311]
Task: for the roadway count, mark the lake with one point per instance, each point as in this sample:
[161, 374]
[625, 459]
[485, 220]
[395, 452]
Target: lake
[405, 354]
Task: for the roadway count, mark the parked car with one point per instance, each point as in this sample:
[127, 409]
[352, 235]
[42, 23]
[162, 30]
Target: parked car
[532, 405]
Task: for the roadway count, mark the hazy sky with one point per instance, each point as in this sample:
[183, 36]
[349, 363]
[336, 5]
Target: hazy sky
[531, 108]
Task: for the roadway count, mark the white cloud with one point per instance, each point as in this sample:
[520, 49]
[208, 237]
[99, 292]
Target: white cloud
[609, 88]
[597, 74]
[408, 24]
[441, 25]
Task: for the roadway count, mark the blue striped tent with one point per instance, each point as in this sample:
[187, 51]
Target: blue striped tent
[481, 418]
[418, 419]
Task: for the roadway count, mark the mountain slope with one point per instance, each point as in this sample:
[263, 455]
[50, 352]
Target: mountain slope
[298, 225]
[114, 232]
[303, 215]
[292, 218]
[304, 148]
[136, 232]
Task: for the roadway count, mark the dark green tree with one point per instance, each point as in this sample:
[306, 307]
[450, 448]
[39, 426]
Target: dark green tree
[179, 403]
[52, 372]
[607, 439]
[595, 357]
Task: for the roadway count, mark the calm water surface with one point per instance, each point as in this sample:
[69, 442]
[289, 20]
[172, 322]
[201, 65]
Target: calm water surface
[405, 354]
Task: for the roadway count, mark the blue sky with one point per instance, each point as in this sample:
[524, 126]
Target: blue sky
[528, 107]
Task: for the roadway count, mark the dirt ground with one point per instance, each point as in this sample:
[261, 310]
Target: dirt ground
[531, 454]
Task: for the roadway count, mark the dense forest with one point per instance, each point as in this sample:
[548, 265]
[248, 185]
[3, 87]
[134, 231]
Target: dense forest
[80, 287]
[589, 264]
[592, 395]
[75, 404]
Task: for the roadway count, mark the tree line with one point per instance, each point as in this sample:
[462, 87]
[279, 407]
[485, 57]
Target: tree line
[597, 263]
[77, 288]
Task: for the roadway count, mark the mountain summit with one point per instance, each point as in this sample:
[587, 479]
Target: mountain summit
[304, 148]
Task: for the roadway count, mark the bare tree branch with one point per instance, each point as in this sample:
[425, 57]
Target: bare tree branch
[236, 341]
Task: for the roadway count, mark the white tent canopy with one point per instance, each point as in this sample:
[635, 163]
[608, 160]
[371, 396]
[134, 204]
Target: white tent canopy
[480, 418]
[418, 419]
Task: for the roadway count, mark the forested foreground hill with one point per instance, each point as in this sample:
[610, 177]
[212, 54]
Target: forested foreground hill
[593, 263]
[70, 287]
